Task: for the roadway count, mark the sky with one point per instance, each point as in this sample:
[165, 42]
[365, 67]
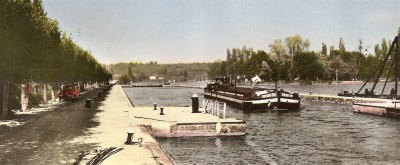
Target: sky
[186, 31]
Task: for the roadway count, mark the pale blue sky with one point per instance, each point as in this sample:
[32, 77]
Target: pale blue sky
[171, 31]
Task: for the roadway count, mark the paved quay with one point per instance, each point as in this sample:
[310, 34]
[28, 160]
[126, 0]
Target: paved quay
[115, 120]
[117, 115]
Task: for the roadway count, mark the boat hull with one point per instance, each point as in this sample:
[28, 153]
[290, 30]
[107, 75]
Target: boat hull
[273, 103]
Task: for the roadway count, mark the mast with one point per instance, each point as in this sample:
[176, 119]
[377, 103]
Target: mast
[395, 41]
[397, 64]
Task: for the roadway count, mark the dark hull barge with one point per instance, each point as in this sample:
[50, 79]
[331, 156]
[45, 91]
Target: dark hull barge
[255, 99]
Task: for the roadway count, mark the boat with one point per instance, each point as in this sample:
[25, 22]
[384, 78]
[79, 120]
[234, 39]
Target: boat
[166, 84]
[252, 99]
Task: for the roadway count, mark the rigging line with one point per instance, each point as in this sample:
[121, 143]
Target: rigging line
[387, 77]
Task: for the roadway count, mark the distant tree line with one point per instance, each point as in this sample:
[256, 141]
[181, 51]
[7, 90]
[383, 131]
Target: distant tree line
[33, 48]
[136, 71]
[290, 60]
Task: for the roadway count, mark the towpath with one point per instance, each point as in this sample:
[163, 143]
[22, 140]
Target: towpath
[43, 139]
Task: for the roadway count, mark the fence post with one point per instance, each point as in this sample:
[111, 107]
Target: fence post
[212, 107]
[224, 109]
[218, 109]
[215, 107]
[208, 106]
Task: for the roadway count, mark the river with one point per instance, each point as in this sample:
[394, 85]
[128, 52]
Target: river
[321, 133]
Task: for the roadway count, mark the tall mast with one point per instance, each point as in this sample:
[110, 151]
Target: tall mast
[397, 64]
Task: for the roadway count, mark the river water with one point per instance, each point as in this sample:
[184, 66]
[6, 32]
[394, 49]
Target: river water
[321, 133]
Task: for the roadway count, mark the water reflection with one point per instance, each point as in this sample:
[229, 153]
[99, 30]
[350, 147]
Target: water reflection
[218, 142]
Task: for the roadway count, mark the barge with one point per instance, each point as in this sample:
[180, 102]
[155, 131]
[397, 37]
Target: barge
[252, 99]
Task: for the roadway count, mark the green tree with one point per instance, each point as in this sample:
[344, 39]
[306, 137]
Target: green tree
[124, 79]
[295, 44]
[378, 52]
[324, 50]
[31, 48]
[335, 64]
[130, 74]
[253, 65]
[278, 51]
[306, 44]
[384, 48]
[342, 48]
[324, 61]
[398, 32]
[307, 66]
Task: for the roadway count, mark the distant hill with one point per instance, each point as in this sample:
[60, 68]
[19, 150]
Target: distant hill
[178, 72]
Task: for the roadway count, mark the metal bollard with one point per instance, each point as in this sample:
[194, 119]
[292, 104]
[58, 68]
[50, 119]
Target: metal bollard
[162, 111]
[95, 98]
[88, 105]
[195, 103]
[155, 106]
[129, 137]
[310, 93]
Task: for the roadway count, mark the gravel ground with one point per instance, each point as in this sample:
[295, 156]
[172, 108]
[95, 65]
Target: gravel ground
[45, 137]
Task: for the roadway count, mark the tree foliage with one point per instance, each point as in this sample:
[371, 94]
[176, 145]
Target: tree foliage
[33, 49]
[292, 59]
[307, 66]
[178, 72]
[278, 51]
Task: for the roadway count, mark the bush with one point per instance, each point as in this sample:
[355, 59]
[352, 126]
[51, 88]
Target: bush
[35, 100]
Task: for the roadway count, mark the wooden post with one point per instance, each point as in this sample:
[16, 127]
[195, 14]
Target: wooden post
[4, 90]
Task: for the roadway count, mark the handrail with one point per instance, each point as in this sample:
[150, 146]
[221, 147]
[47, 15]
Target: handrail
[215, 108]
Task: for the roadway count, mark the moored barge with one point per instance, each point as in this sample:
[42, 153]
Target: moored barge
[251, 99]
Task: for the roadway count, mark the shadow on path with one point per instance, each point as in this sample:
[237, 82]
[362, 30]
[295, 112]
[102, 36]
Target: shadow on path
[43, 138]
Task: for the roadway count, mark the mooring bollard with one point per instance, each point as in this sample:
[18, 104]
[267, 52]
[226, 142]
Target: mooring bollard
[129, 137]
[195, 103]
[161, 111]
[310, 93]
[155, 106]
[88, 105]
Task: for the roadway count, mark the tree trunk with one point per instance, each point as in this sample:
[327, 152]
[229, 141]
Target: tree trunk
[4, 90]
[53, 97]
[45, 93]
[336, 72]
[24, 96]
